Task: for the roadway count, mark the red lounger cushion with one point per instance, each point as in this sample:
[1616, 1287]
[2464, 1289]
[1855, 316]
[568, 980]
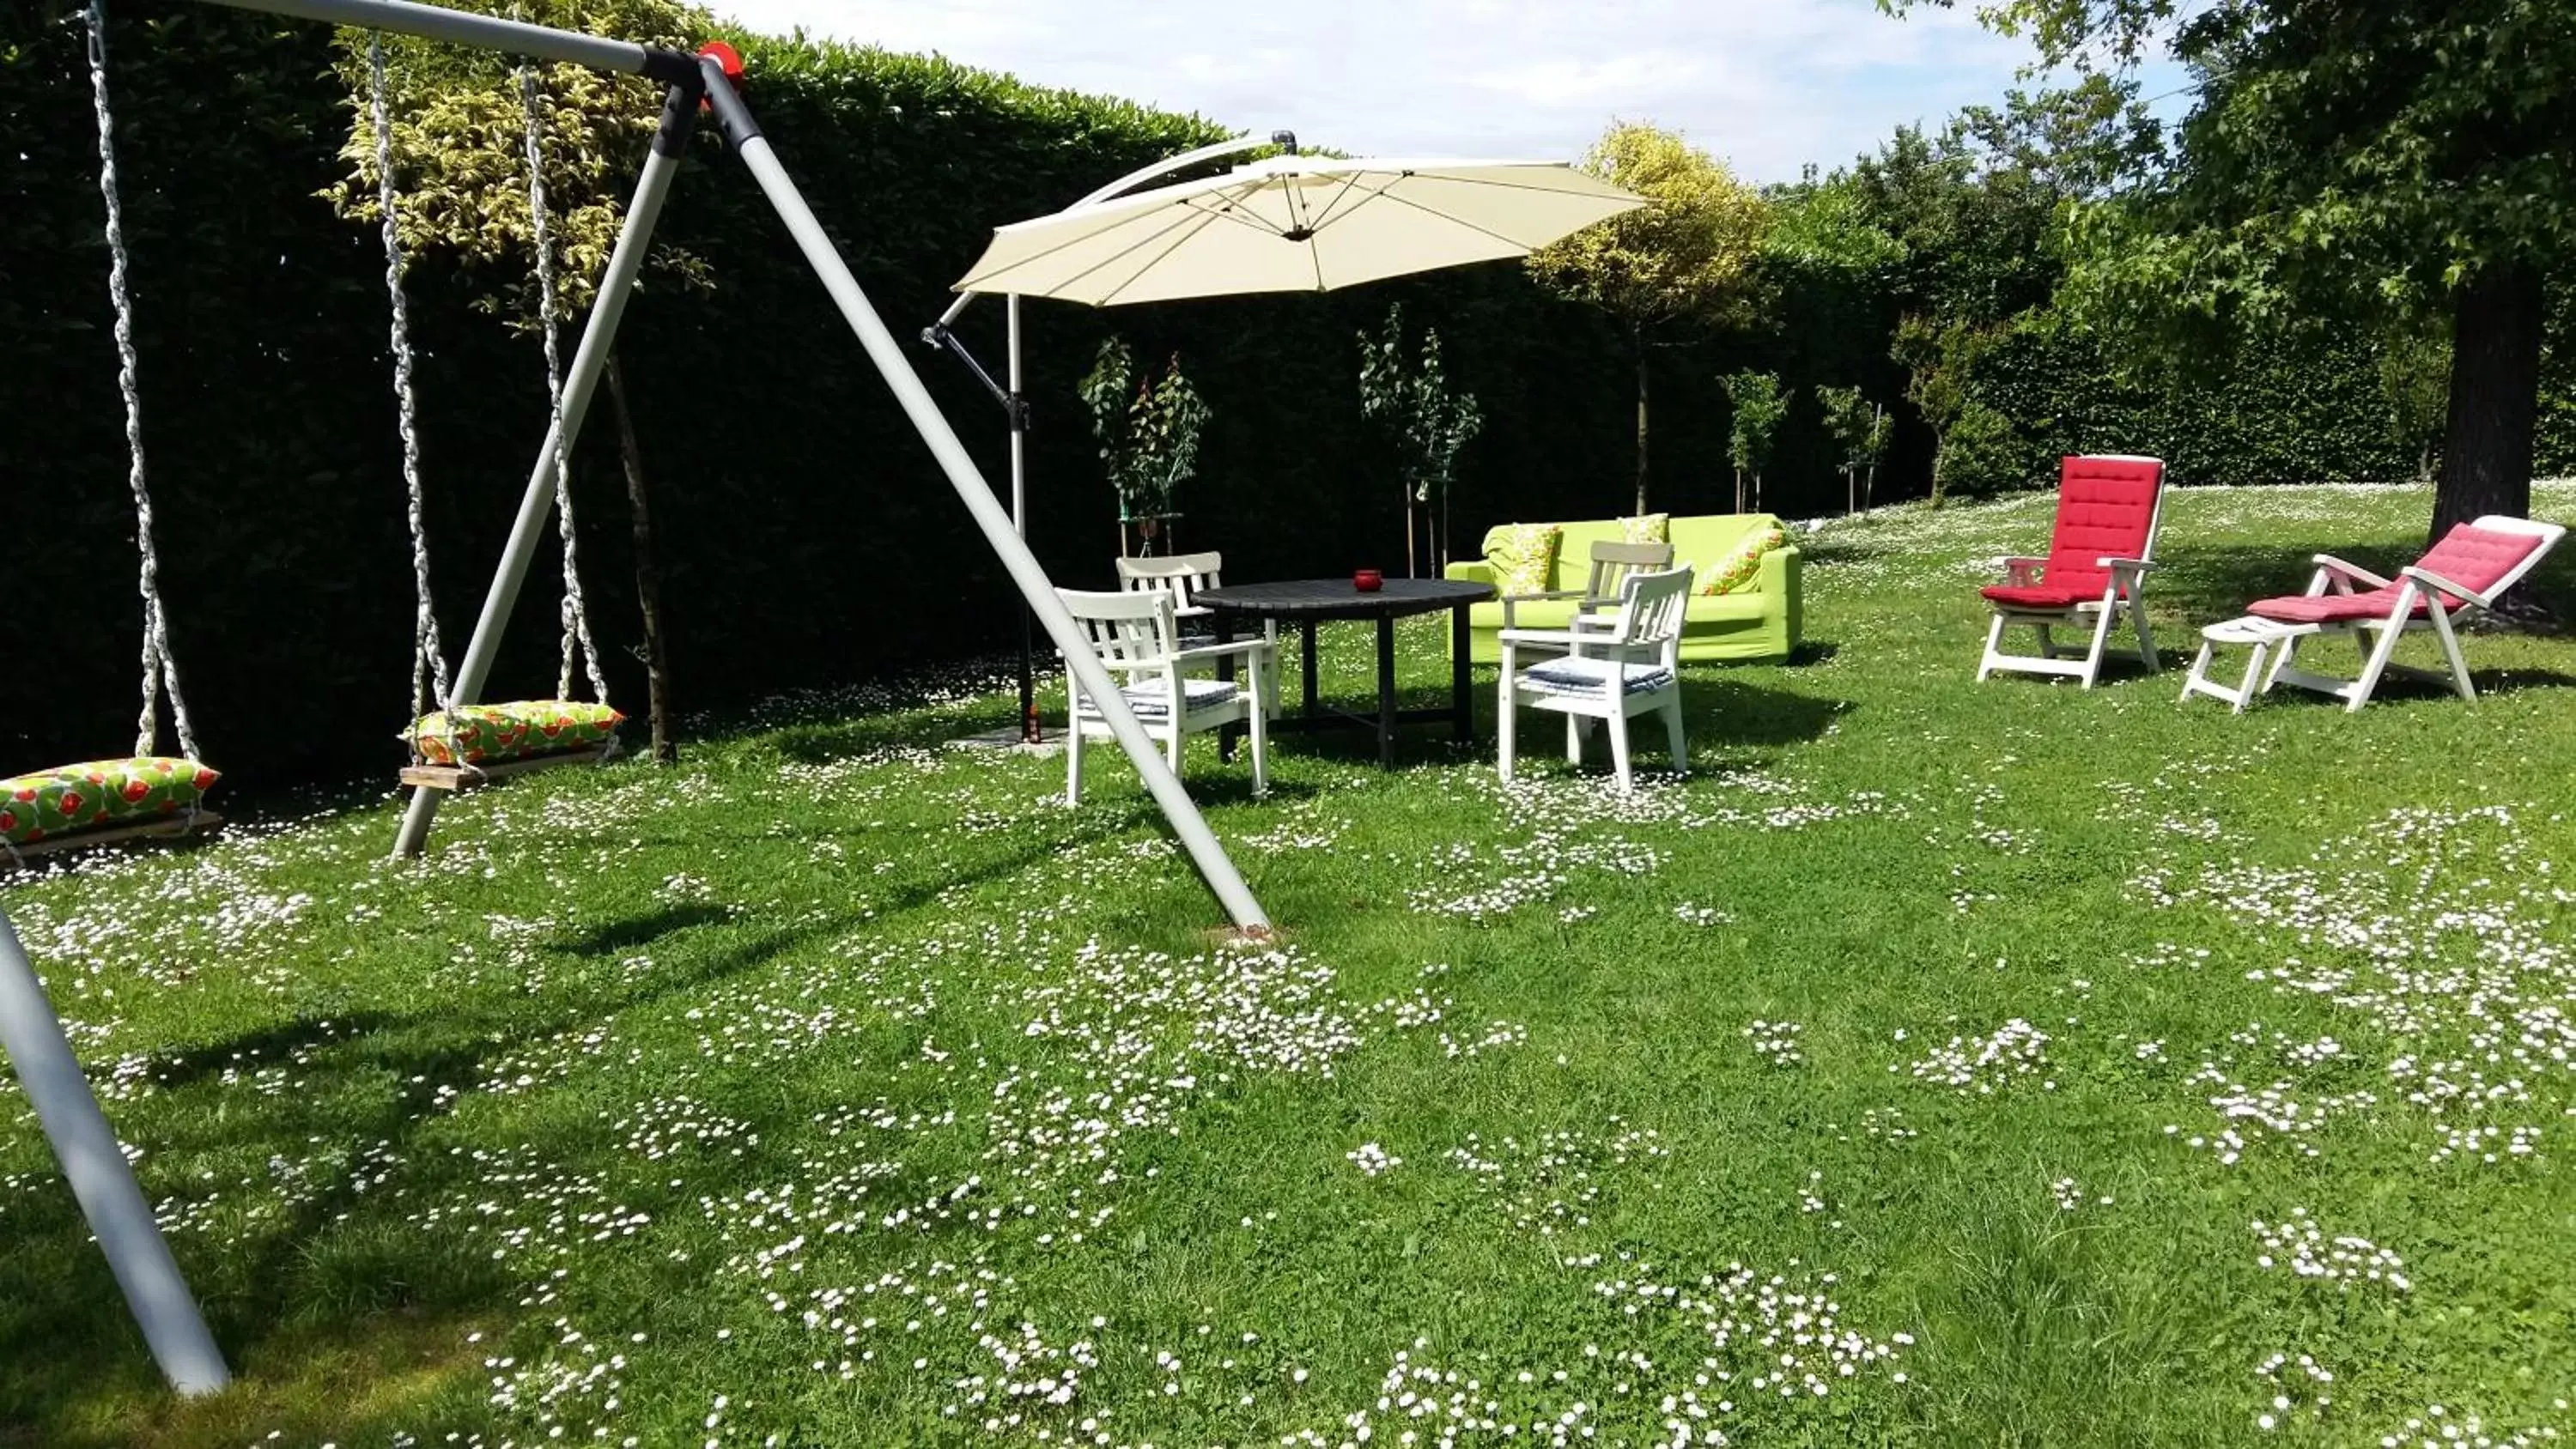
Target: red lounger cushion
[2474, 558]
[2039, 596]
[2106, 508]
[2329, 608]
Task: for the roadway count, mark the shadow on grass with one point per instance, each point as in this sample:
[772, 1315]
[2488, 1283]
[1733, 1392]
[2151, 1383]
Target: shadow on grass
[333, 1265]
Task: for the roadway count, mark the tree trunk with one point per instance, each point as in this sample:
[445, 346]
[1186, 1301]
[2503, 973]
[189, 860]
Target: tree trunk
[648, 572]
[1637, 338]
[1937, 451]
[2495, 397]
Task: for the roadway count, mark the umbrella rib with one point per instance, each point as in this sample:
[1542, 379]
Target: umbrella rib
[1451, 219]
[1189, 219]
[1178, 236]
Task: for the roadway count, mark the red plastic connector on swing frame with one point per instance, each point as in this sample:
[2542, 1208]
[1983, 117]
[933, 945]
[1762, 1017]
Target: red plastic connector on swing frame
[729, 60]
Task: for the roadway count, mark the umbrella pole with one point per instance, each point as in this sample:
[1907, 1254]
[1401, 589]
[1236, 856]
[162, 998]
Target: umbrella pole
[1019, 410]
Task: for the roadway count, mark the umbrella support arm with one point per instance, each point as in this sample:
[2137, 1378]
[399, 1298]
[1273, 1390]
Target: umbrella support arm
[1015, 405]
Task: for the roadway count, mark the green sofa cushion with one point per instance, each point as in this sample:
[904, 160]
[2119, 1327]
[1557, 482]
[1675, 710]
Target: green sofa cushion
[1524, 556]
[99, 794]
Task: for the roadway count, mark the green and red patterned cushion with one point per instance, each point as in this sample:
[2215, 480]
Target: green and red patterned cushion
[1736, 571]
[1647, 528]
[1523, 556]
[99, 794]
[484, 734]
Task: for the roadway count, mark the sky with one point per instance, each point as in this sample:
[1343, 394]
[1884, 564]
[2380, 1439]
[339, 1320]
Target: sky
[1766, 85]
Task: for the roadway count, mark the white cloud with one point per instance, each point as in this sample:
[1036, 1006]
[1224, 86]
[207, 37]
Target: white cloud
[1768, 84]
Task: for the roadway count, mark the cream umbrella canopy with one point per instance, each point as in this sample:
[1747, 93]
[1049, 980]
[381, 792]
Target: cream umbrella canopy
[1293, 224]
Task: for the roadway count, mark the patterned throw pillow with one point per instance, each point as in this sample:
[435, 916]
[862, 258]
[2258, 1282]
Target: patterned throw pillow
[1523, 556]
[485, 733]
[1650, 528]
[99, 794]
[1735, 573]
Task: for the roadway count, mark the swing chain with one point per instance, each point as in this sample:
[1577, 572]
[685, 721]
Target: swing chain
[429, 653]
[575, 613]
[160, 671]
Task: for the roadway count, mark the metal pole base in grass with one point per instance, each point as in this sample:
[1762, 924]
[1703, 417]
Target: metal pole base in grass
[101, 1179]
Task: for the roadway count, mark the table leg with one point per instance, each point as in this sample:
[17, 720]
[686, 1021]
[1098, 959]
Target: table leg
[1459, 679]
[1310, 669]
[1224, 670]
[1386, 693]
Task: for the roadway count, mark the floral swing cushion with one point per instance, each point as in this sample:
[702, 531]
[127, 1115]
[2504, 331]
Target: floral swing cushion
[99, 794]
[483, 734]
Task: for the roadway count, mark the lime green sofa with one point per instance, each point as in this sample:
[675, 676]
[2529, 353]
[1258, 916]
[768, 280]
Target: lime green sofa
[1759, 622]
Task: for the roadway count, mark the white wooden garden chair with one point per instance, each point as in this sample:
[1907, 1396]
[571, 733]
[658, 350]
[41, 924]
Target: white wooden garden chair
[1182, 575]
[2096, 570]
[1138, 637]
[1611, 564]
[1627, 666]
[2461, 578]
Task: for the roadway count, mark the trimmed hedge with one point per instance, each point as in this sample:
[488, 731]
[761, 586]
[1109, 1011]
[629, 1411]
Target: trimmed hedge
[797, 509]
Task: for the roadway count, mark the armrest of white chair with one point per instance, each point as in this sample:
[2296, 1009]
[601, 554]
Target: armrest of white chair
[1509, 600]
[2432, 580]
[1551, 638]
[2339, 571]
[1220, 651]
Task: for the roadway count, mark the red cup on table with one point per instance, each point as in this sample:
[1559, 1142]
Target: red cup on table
[1368, 581]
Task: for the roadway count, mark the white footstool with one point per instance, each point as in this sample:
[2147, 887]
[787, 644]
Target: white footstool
[2261, 635]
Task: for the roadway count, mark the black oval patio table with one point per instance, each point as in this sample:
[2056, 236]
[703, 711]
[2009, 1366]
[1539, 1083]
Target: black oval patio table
[1312, 601]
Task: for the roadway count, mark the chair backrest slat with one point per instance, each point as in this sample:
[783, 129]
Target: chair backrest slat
[2107, 507]
[1129, 631]
[1651, 606]
[1614, 563]
[1181, 575]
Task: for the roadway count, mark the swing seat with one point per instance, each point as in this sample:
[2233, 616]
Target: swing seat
[101, 801]
[488, 742]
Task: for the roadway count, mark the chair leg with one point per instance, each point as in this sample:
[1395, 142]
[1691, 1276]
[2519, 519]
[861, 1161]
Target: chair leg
[2451, 652]
[1260, 748]
[2363, 687]
[1505, 727]
[2146, 640]
[1618, 730]
[2047, 643]
[1994, 648]
[1672, 712]
[1176, 741]
[1073, 761]
[1575, 727]
[2280, 661]
[2101, 642]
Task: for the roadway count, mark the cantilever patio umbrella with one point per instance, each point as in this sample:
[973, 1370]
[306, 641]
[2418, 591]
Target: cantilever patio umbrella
[1286, 223]
[1293, 224]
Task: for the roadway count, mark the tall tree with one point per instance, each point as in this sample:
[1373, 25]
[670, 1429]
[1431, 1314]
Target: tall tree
[2406, 154]
[459, 147]
[1428, 423]
[1687, 257]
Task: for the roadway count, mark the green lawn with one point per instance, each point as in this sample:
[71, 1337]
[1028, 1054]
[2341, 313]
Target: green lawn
[1938, 1063]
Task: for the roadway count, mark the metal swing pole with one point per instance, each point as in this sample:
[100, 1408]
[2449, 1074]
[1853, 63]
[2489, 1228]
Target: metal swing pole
[102, 1180]
[598, 336]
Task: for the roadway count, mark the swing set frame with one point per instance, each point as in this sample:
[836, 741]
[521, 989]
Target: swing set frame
[693, 80]
[32, 1038]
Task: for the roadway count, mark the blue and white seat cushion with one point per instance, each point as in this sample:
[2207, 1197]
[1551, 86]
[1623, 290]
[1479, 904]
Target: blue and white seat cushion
[1589, 676]
[1149, 700]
